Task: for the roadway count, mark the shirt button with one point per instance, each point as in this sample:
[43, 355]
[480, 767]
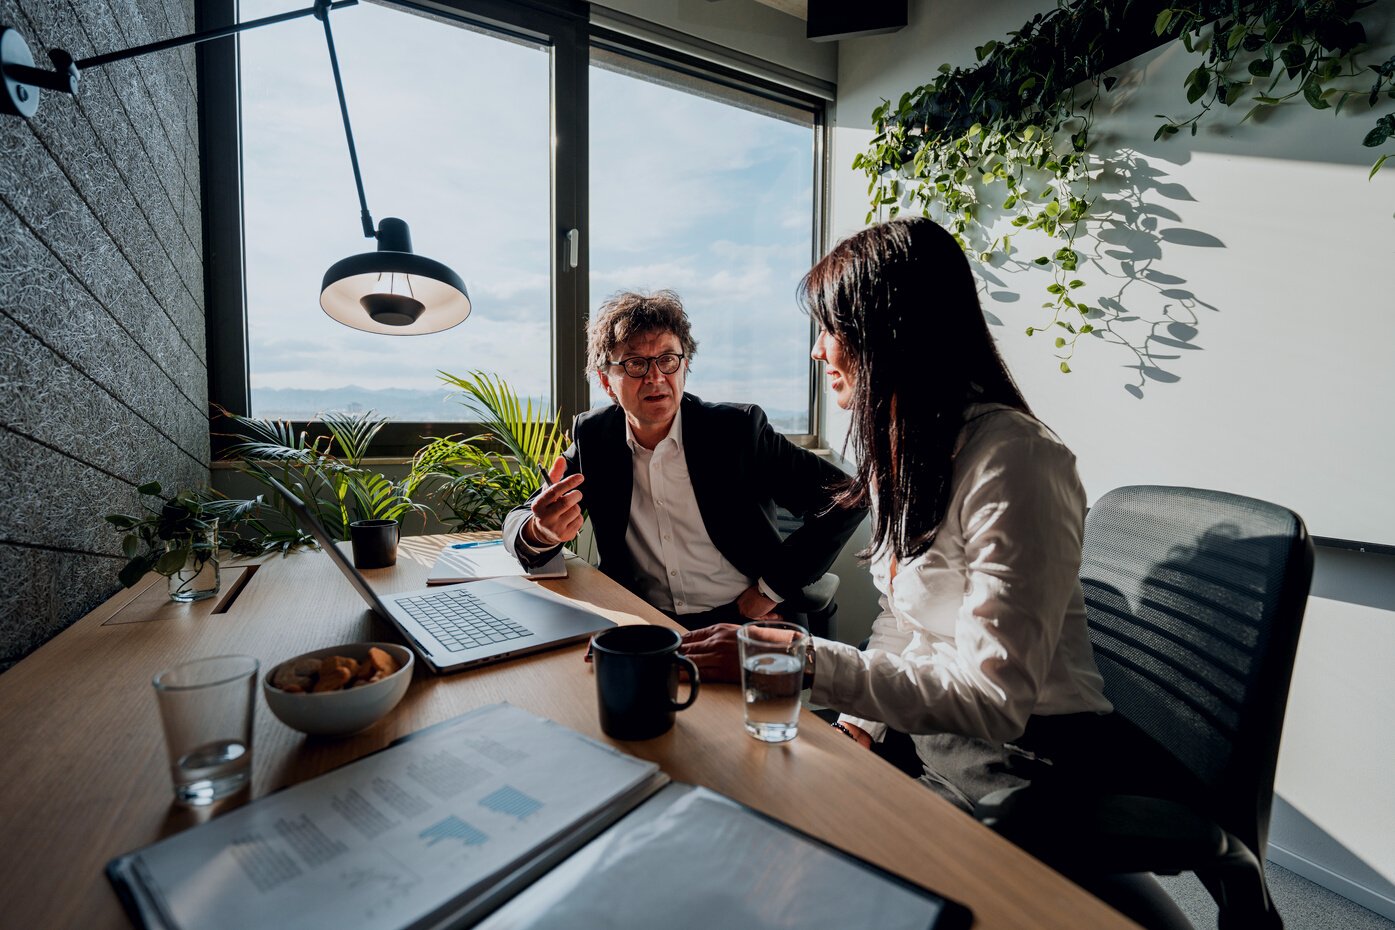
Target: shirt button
[678, 603]
[667, 537]
[673, 571]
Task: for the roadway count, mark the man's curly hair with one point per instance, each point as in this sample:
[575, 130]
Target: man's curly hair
[629, 314]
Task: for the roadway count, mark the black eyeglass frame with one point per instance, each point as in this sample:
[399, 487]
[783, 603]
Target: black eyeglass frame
[649, 360]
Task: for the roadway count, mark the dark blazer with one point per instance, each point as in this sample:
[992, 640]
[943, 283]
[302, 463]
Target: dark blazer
[741, 469]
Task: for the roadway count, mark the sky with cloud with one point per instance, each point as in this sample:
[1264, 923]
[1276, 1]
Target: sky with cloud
[452, 132]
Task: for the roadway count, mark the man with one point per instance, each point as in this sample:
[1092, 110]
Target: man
[682, 493]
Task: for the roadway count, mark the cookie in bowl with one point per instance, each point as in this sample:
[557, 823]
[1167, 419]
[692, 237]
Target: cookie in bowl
[340, 689]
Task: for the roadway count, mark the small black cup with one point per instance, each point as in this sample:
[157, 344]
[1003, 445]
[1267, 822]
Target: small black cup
[637, 680]
[375, 543]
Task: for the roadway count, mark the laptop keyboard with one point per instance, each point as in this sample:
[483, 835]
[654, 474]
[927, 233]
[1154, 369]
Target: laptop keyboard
[460, 620]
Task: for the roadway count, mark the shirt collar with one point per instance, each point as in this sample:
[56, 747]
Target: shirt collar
[675, 433]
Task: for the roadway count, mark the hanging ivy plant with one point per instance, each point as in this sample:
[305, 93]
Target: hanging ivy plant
[1008, 139]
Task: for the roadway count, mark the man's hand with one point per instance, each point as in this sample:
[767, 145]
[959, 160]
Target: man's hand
[713, 650]
[557, 514]
[756, 606]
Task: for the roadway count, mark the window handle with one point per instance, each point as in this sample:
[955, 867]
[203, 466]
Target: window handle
[573, 248]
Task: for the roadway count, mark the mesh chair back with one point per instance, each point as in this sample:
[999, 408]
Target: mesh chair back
[1195, 599]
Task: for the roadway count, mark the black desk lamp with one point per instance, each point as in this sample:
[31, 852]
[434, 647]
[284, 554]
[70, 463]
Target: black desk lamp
[391, 291]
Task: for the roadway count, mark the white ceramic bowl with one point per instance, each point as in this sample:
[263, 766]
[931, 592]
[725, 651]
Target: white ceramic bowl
[339, 713]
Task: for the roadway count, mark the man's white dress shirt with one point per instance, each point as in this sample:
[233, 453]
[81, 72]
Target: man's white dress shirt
[677, 566]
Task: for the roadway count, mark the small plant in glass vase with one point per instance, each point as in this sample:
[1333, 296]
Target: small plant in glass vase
[177, 537]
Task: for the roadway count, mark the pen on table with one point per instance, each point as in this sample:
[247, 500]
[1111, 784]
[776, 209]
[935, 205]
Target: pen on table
[475, 544]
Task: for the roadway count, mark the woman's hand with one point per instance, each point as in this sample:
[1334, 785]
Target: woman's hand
[714, 651]
[859, 735]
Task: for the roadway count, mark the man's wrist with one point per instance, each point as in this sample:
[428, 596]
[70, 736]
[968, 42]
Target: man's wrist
[768, 591]
[808, 668]
[530, 534]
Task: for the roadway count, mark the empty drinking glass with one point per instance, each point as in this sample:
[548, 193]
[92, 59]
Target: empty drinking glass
[206, 709]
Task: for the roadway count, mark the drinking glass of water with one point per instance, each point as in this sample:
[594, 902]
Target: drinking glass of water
[773, 654]
[206, 709]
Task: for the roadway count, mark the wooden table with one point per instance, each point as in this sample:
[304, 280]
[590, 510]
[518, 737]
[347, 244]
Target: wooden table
[83, 773]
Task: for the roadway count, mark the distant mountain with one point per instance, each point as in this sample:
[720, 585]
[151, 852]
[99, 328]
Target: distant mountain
[415, 406]
[432, 406]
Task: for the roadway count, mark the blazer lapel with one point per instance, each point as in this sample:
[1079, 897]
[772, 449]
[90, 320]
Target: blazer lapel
[702, 452]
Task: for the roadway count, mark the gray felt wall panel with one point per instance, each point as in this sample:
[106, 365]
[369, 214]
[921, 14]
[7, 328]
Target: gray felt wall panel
[103, 370]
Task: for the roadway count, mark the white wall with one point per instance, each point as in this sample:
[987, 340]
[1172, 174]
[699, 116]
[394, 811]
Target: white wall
[1265, 257]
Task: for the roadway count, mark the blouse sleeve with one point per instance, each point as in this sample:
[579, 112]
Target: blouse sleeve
[886, 637]
[1021, 511]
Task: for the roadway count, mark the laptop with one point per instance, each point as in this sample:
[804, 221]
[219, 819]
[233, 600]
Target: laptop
[455, 627]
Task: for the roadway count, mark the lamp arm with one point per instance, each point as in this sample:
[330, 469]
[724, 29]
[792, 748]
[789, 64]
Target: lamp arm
[321, 10]
[17, 65]
[208, 34]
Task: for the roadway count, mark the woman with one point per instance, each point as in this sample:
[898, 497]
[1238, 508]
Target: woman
[980, 651]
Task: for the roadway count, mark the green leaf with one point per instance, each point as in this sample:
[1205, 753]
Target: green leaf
[1031, 329]
[1312, 92]
[1060, 342]
[1161, 23]
[150, 487]
[1055, 289]
[133, 571]
[1197, 83]
[1376, 167]
[130, 546]
[1076, 283]
[1043, 260]
[1087, 328]
[1065, 369]
[1261, 67]
[173, 559]
[1268, 101]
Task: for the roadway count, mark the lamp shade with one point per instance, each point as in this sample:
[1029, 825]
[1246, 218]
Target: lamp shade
[393, 291]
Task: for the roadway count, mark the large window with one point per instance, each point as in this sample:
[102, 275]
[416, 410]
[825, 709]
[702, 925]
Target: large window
[709, 191]
[470, 173]
[495, 130]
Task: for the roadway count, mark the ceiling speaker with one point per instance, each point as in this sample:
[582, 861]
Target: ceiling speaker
[830, 20]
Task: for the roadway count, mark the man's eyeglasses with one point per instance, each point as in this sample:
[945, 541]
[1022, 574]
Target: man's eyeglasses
[637, 366]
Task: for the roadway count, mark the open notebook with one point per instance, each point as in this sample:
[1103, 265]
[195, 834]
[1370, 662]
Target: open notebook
[476, 561]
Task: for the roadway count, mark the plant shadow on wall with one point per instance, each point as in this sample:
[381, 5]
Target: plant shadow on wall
[1142, 310]
[1003, 153]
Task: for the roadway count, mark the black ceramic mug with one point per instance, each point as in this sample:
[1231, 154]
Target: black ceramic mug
[637, 680]
[374, 542]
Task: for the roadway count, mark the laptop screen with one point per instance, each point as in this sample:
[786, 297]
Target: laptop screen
[308, 519]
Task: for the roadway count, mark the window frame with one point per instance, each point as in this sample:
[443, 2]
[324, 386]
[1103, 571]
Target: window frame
[565, 27]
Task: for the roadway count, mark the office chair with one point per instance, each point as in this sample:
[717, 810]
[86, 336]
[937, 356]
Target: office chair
[1194, 600]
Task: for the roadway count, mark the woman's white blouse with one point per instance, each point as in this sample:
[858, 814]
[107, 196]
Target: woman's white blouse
[987, 627]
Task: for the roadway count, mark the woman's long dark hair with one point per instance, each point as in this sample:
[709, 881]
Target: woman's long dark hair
[901, 299]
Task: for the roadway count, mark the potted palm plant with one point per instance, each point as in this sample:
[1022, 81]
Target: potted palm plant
[328, 468]
[480, 478]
